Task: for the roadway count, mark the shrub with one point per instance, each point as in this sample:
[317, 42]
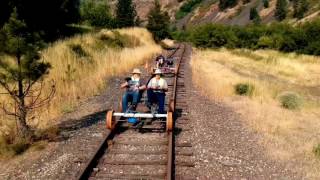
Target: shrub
[213, 36]
[244, 89]
[19, 146]
[290, 100]
[117, 40]
[8, 149]
[78, 50]
[316, 151]
[265, 42]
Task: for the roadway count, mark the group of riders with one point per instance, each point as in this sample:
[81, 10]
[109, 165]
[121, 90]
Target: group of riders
[135, 86]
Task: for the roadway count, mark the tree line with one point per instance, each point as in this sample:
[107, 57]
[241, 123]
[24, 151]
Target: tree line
[278, 36]
[300, 7]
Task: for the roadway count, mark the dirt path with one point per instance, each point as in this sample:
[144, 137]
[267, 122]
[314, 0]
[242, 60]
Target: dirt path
[224, 147]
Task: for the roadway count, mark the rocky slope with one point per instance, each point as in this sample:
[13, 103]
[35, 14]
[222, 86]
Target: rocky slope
[208, 11]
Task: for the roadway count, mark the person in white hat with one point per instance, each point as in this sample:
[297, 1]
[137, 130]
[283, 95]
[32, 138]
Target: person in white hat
[157, 87]
[133, 86]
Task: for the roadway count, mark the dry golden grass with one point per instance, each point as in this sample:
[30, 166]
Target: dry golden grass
[168, 42]
[79, 77]
[289, 135]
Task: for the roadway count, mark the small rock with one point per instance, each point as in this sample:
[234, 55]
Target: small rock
[97, 135]
[95, 169]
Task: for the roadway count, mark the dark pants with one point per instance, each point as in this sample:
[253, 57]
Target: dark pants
[157, 97]
[128, 95]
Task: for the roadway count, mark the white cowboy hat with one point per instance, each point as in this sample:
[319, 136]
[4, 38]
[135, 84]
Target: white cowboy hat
[136, 71]
[157, 71]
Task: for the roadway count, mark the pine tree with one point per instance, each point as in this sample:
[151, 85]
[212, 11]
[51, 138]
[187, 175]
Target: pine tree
[125, 14]
[158, 22]
[49, 16]
[21, 74]
[300, 7]
[96, 13]
[254, 16]
[281, 10]
[265, 3]
[224, 4]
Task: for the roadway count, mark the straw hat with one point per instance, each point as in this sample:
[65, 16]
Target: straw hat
[157, 71]
[136, 71]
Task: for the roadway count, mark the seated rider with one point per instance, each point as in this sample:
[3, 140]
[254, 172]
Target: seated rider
[169, 61]
[157, 87]
[133, 87]
[160, 61]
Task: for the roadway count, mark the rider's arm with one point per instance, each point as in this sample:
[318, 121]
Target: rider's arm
[143, 87]
[124, 85]
[165, 86]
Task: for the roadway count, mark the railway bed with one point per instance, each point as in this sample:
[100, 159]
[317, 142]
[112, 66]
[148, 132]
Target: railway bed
[149, 152]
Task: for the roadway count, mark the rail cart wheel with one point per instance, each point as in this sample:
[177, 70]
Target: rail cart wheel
[171, 105]
[169, 121]
[110, 119]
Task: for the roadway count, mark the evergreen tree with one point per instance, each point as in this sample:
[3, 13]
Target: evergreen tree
[4, 11]
[125, 14]
[281, 10]
[158, 22]
[224, 4]
[21, 72]
[96, 13]
[300, 7]
[265, 3]
[254, 16]
[49, 16]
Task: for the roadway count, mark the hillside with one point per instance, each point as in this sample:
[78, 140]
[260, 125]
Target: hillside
[205, 11]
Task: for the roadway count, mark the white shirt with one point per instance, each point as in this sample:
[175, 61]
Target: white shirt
[160, 83]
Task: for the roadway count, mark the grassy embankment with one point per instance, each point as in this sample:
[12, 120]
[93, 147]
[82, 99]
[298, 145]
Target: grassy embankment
[290, 135]
[81, 67]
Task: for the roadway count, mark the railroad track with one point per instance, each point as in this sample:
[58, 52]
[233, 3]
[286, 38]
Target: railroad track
[146, 153]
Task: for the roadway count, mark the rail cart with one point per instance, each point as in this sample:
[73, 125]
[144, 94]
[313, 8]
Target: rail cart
[168, 68]
[140, 115]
